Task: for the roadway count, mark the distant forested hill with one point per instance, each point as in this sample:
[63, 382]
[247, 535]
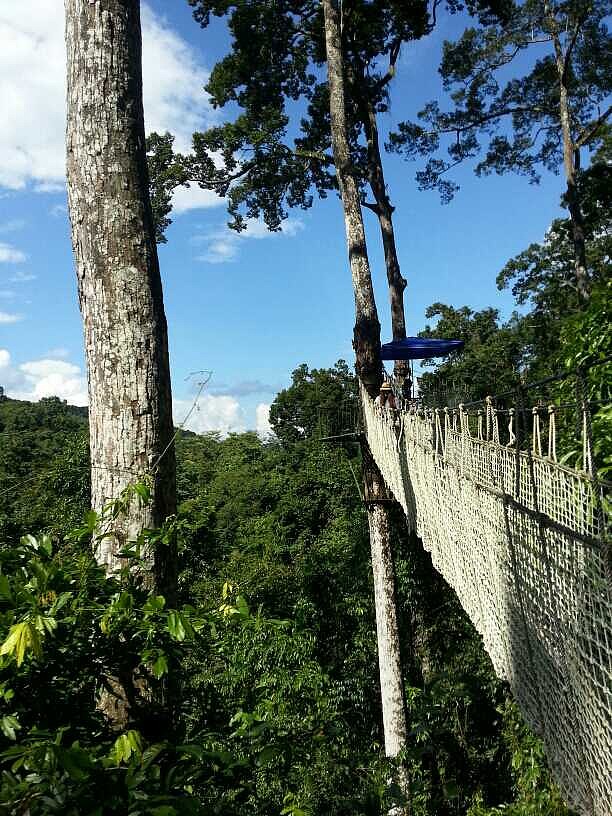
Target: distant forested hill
[44, 465]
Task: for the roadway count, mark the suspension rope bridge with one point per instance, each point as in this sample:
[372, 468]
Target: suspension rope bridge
[522, 540]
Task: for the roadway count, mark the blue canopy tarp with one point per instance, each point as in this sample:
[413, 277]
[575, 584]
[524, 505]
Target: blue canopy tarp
[419, 348]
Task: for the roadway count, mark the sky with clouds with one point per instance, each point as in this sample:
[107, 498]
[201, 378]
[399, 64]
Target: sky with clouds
[251, 307]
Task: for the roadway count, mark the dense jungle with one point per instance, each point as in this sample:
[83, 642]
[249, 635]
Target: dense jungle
[269, 649]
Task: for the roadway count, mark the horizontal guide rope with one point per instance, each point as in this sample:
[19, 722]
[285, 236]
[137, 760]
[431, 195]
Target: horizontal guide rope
[522, 540]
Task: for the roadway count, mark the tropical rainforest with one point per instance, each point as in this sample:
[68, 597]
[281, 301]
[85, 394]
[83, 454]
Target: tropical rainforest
[268, 651]
[188, 622]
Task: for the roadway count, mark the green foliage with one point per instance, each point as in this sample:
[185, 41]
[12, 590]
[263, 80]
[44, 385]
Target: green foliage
[276, 151]
[318, 403]
[66, 630]
[490, 362]
[262, 685]
[166, 173]
[535, 795]
[586, 345]
[542, 276]
[44, 466]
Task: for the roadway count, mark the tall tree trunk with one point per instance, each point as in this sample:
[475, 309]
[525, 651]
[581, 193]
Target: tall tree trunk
[389, 654]
[384, 213]
[571, 163]
[119, 284]
[366, 333]
[369, 370]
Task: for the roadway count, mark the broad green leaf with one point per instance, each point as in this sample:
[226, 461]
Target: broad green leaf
[5, 587]
[175, 625]
[126, 745]
[21, 636]
[9, 725]
[29, 541]
[143, 491]
[154, 603]
[46, 544]
[160, 667]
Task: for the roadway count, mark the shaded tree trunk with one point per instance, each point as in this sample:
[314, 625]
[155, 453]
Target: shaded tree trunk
[119, 284]
[571, 162]
[369, 370]
[384, 212]
[366, 333]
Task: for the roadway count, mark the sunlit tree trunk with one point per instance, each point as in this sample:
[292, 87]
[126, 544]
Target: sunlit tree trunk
[119, 284]
[367, 351]
[366, 333]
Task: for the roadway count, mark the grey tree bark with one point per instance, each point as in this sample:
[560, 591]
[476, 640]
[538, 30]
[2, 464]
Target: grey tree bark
[369, 370]
[119, 284]
[384, 212]
[571, 159]
[366, 333]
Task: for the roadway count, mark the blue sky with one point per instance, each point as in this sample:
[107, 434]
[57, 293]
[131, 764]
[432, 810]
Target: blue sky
[248, 308]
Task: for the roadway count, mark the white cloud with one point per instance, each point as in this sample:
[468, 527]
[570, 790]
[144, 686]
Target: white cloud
[58, 353]
[173, 82]
[53, 377]
[22, 277]
[223, 245]
[50, 187]
[32, 92]
[43, 378]
[12, 226]
[262, 420]
[58, 210]
[220, 250]
[223, 414]
[9, 317]
[8, 254]
[193, 198]
[32, 89]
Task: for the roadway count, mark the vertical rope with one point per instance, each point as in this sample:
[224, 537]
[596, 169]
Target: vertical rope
[597, 490]
[462, 428]
[511, 434]
[439, 437]
[552, 434]
[536, 437]
[489, 412]
[495, 424]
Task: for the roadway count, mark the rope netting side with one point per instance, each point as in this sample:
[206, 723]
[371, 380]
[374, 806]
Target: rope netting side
[520, 538]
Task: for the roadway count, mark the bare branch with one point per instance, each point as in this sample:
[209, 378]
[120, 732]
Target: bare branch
[370, 206]
[589, 132]
[570, 47]
[434, 12]
[390, 73]
[482, 120]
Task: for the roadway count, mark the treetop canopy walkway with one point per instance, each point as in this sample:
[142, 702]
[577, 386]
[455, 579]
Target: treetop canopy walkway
[522, 540]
